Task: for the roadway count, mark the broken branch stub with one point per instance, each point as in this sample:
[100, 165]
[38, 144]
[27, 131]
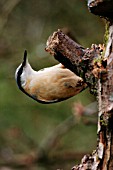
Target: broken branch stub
[86, 63]
[65, 50]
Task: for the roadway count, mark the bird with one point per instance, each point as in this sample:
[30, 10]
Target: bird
[48, 85]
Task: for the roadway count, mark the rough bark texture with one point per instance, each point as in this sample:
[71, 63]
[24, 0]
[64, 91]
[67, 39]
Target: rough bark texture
[106, 105]
[65, 50]
[105, 91]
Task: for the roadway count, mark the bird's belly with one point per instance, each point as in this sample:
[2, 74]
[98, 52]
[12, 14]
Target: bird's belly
[51, 90]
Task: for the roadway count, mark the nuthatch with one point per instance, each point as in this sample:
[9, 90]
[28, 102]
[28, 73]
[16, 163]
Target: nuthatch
[49, 85]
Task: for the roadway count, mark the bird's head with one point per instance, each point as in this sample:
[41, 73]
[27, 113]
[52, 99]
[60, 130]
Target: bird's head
[22, 70]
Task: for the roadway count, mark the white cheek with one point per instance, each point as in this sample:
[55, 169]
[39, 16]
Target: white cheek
[23, 83]
[23, 80]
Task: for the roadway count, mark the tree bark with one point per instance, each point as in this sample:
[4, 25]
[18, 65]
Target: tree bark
[105, 92]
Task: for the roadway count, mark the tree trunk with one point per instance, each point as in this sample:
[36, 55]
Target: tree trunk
[105, 115]
[105, 91]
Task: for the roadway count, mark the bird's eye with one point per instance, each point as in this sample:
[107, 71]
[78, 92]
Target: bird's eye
[23, 82]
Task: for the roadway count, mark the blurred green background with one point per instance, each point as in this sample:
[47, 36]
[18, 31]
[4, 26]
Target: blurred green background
[25, 124]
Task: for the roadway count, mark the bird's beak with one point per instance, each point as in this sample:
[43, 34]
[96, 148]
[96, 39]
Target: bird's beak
[25, 60]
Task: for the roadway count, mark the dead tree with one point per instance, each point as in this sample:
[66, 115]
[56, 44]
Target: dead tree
[95, 66]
